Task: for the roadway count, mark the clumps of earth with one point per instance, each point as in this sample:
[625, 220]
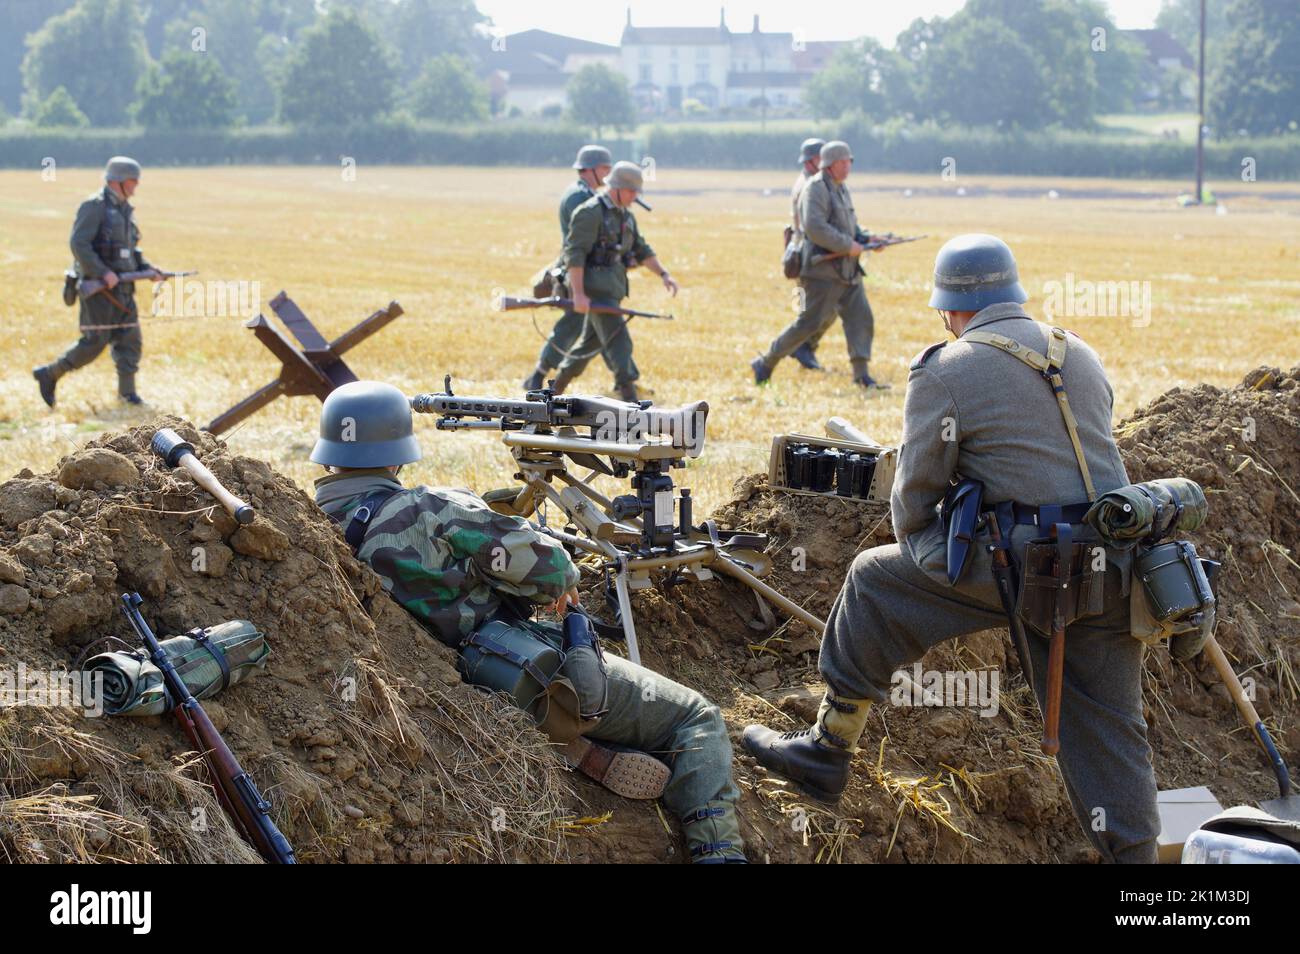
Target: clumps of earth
[373, 750]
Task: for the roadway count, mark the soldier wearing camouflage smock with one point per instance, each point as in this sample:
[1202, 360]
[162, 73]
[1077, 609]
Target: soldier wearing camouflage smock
[105, 242]
[982, 408]
[464, 570]
[832, 285]
[603, 243]
[593, 164]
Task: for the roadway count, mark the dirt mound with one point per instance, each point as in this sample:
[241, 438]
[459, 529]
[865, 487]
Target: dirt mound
[360, 730]
[373, 750]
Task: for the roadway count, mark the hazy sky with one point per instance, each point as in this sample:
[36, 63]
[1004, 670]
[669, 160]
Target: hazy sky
[602, 20]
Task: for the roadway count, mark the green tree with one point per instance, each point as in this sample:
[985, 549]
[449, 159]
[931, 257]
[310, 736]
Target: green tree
[1181, 19]
[20, 18]
[339, 73]
[1118, 60]
[1255, 84]
[59, 109]
[982, 74]
[96, 51]
[186, 91]
[599, 97]
[448, 90]
[862, 77]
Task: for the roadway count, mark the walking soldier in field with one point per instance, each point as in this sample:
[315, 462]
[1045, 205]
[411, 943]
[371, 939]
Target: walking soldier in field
[105, 242]
[810, 163]
[830, 278]
[593, 164]
[603, 243]
[473, 577]
[1007, 429]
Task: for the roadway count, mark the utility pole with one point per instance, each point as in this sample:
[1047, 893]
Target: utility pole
[1200, 116]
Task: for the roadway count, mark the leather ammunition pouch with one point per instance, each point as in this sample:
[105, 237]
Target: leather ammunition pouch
[1039, 586]
[960, 514]
[1172, 597]
[549, 282]
[523, 660]
[70, 287]
[792, 257]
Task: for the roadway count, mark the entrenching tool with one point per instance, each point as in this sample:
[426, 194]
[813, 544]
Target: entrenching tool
[178, 452]
[1287, 805]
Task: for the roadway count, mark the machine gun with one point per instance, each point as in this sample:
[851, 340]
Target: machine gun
[636, 536]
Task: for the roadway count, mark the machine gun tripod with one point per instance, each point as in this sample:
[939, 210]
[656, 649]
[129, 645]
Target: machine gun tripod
[635, 536]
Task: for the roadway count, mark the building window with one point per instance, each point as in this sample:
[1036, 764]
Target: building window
[646, 72]
[701, 72]
[672, 72]
[645, 53]
[702, 53]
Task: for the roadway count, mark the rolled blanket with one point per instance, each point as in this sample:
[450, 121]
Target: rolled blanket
[133, 685]
[1153, 509]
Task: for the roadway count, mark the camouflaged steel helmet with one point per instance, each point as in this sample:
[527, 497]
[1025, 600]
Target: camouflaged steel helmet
[811, 149]
[121, 168]
[625, 175]
[591, 156]
[834, 151]
[974, 271]
[365, 424]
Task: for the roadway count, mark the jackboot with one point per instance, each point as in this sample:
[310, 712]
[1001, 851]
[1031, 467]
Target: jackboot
[126, 388]
[627, 392]
[863, 379]
[537, 379]
[562, 380]
[713, 835]
[816, 759]
[805, 355]
[47, 376]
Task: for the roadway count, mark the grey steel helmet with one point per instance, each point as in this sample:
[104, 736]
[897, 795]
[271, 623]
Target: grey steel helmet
[974, 271]
[365, 424]
[811, 149]
[592, 155]
[834, 151]
[121, 168]
[625, 175]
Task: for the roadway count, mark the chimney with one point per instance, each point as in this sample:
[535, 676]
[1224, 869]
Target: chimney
[629, 15]
[755, 22]
[722, 20]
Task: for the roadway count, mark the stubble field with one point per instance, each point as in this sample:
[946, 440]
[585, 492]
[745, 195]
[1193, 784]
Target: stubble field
[1224, 293]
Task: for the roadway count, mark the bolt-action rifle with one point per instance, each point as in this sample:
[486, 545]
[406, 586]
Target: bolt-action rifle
[881, 240]
[88, 287]
[235, 788]
[506, 303]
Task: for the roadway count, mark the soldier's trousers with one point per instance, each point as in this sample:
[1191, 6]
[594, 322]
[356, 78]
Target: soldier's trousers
[609, 335]
[822, 301]
[890, 611]
[125, 344]
[561, 343]
[653, 714]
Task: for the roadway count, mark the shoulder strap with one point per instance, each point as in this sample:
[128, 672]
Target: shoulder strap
[1049, 367]
[355, 530]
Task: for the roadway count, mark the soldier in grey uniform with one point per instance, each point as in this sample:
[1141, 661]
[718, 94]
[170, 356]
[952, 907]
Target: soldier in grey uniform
[603, 243]
[105, 241]
[833, 286]
[977, 409]
[593, 164]
[810, 163]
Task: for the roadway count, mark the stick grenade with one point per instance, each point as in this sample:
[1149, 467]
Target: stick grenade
[178, 452]
[1056, 649]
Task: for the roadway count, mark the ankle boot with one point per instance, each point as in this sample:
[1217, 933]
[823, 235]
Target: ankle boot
[713, 835]
[47, 376]
[535, 380]
[562, 380]
[816, 759]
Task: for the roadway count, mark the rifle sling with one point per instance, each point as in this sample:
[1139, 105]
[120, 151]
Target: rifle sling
[1050, 368]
